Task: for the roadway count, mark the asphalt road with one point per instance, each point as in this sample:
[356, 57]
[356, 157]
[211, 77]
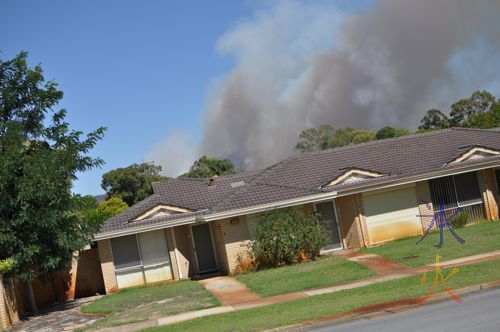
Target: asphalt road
[478, 312]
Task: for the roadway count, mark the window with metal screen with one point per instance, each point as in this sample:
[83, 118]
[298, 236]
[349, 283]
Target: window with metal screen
[458, 191]
[125, 252]
[467, 187]
[443, 194]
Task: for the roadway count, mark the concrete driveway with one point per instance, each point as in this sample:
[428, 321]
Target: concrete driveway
[60, 317]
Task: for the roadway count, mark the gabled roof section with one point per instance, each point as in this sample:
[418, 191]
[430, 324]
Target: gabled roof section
[305, 175]
[354, 175]
[475, 153]
[161, 210]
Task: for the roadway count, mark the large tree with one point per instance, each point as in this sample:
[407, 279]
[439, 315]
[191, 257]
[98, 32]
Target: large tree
[326, 137]
[434, 119]
[39, 159]
[207, 167]
[480, 110]
[464, 110]
[133, 183]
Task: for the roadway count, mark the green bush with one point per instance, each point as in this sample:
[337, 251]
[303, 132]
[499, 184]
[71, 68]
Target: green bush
[459, 220]
[287, 236]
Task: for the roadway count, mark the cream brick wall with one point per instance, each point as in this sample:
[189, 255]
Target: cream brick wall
[107, 266]
[490, 194]
[220, 246]
[350, 221]
[236, 237]
[425, 207]
[5, 322]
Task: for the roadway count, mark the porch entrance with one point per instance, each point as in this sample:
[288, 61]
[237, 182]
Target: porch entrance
[328, 217]
[203, 246]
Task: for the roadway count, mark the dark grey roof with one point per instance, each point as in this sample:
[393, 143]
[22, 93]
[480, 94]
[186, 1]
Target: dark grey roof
[306, 174]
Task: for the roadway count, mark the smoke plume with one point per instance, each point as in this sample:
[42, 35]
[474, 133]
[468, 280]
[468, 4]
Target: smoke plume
[299, 65]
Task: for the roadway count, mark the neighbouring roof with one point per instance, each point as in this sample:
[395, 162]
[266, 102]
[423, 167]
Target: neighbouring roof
[313, 173]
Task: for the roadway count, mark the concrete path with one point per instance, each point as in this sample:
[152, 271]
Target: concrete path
[228, 290]
[60, 317]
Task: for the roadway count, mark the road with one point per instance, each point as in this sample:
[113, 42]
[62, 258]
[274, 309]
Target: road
[478, 312]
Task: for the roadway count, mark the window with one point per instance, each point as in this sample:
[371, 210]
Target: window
[138, 251]
[457, 191]
[125, 252]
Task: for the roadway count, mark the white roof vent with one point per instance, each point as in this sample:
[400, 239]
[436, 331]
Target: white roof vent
[237, 184]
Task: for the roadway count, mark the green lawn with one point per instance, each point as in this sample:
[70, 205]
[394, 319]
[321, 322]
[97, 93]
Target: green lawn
[147, 302]
[314, 307]
[326, 271]
[479, 238]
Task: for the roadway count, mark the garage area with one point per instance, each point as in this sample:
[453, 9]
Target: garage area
[392, 214]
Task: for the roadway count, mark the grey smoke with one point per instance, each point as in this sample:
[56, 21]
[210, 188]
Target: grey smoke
[300, 65]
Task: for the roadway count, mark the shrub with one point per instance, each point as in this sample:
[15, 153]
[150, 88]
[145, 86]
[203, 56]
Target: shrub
[459, 220]
[287, 236]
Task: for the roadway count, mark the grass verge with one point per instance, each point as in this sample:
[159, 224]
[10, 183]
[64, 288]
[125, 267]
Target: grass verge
[148, 302]
[315, 307]
[479, 238]
[326, 271]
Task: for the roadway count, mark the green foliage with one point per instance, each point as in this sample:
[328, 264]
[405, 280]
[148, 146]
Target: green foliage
[133, 183]
[287, 236]
[39, 156]
[434, 119]
[7, 266]
[386, 132]
[326, 137]
[480, 110]
[460, 220]
[206, 167]
[106, 210]
[478, 103]
[389, 132]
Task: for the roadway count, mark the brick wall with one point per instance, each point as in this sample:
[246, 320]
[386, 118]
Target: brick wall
[425, 207]
[5, 320]
[236, 237]
[489, 191]
[220, 246]
[107, 267]
[351, 221]
[86, 275]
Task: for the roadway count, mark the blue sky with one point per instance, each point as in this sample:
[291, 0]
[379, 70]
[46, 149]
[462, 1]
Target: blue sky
[138, 68]
[141, 68]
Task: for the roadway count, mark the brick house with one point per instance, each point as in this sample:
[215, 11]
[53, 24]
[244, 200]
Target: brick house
[368, 194]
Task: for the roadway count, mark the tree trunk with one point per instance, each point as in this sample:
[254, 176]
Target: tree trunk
[31, 298]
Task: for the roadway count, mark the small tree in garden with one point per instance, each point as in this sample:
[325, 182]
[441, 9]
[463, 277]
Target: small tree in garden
[287, 236]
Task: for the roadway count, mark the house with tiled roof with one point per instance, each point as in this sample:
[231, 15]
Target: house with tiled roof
[367, 194]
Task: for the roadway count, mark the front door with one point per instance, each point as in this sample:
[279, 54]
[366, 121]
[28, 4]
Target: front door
[328, 218]
[204, 249]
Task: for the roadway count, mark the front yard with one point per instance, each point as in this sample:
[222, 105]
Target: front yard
[326, 271]
[479, 238]
[136, 304]
[315, 307]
